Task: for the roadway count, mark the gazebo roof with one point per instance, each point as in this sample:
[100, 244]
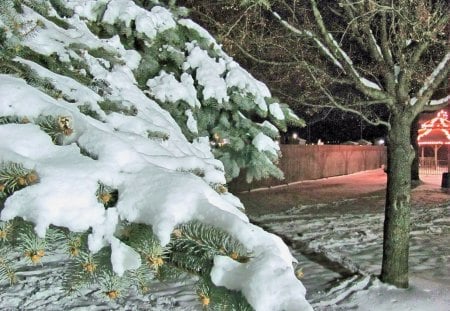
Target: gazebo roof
[435, 131]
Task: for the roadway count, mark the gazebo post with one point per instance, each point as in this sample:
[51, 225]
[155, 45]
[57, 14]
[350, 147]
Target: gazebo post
[448, 158]
[435, 157]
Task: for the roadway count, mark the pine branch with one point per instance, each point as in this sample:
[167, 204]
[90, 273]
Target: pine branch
[7, 271]
[31, 245]
[56, 128]
[107, 195]
[111, 285]
[13, 176]
[158, 135]
[205, 241]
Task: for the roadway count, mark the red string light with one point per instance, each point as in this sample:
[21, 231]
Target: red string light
[435, 131]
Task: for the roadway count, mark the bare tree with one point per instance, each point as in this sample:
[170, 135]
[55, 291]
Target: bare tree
[380, 59]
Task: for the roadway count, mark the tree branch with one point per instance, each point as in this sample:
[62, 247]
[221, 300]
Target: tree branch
[361, 84]
[437, 104]
[431, 83]
[262, 61]
[343, 107]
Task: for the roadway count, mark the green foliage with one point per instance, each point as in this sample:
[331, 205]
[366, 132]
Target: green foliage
[87, 153]
[86, 109]
[7, 271]
[111, 284]
[75, 242]
[14, 28]
[246, 102]
[219, 298]
[192, 249]
[53, 63]
[148, 68]
[141, 238]
[6, 232]
[109, 106]
[58, 21]
[194, 246]
[260, 159]
[13, 177]
[20, 70]
[62, 10]
[157, 135]
[56, 127]
[9, 120]
[107, 195]
[236, 121]
[10, 32]
[40, 6]
[110, 56]
[86, 269]
[196, 171]
[231, 125]
[31, 245]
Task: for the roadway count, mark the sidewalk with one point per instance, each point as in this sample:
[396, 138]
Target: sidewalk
[341, 219]
[368, 187]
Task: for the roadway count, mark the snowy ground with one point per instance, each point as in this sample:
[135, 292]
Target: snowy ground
[348, 231]
[334, 227]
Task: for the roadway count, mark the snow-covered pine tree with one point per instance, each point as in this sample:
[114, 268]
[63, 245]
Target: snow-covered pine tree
[90, 166]
[214, 97]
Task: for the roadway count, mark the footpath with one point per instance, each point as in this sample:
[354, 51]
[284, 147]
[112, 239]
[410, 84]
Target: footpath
[334, 227]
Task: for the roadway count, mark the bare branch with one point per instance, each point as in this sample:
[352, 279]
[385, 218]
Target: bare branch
[262, 61]
[385, 49]
[345, 107]
[238, 20]
[432, 82]
[437, 104]
[328, 40]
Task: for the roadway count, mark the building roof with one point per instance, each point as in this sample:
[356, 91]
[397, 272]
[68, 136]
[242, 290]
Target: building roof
[435, 131]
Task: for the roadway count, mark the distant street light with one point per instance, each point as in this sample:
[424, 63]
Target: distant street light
[381, 141]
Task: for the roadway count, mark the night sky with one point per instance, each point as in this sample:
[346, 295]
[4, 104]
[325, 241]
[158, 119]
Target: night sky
[339, 128]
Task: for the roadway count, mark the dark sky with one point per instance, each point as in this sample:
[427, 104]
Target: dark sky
[338, 128]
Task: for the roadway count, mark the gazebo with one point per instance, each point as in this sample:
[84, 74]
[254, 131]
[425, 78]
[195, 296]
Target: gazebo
[435, 133]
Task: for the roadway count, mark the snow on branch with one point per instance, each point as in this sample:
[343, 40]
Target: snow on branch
[368, 88]
[330, 45]
[310, 35]
[431, 79]
[436, 102]
[343, 107]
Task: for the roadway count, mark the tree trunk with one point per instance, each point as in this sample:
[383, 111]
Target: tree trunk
[415, 177]
[394, 268]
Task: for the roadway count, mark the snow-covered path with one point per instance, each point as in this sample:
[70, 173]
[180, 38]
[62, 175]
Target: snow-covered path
[349, 232]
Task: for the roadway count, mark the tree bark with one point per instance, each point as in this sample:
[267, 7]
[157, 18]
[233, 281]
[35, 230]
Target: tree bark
[397, 209]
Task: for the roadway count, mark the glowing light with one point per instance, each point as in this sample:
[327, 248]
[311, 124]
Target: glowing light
[380, 141]
[294, 135]
[435, 131]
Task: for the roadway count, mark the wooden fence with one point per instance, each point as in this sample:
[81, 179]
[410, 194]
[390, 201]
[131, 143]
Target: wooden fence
[308, 162]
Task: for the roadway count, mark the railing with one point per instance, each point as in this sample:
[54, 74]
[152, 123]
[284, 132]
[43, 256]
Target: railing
[432, 166]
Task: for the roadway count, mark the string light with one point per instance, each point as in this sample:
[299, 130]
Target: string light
[435, 131]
